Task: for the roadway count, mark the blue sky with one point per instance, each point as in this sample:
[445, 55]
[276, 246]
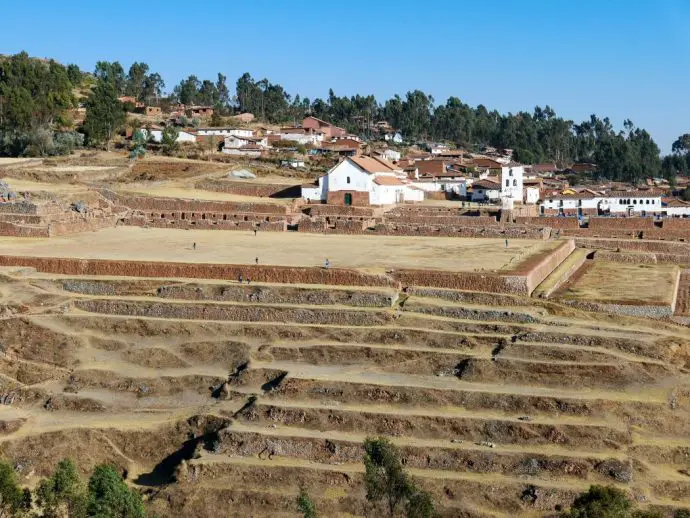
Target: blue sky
[621, 59]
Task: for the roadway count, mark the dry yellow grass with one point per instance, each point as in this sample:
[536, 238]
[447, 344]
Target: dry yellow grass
[625, 283]
[374, 253]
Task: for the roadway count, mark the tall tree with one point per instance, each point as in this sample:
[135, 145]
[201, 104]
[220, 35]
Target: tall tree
[135, 79]
[104, 114]
[112, 73]
[110, 497]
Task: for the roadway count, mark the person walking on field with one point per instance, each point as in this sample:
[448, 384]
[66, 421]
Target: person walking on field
[326, 264]
[193, 246]
[254, 232]
[256, 260]
[506, 243]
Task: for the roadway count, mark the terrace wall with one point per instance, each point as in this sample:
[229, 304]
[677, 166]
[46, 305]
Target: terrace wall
[14, 230]
[339, 210]
[621, 223]
[146, 203]
[548, 221]
[676, 224]
[634, 246]
[250, 189]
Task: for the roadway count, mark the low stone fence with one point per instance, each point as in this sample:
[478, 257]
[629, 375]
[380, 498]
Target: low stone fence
[501, 232]
[451, 221]
[639, 245]
[256, 190]
[16, 230]
[676, 224]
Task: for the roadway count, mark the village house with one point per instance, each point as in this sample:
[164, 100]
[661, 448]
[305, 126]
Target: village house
[200, 112]
[436, 176]
[363, 181]
[244, 146]
[587, 203]
[224, 132]
[486, 190]
[329, 130]
[393, 136]
[512, 190]
[304, 136]
[156, 135]
[675, 207]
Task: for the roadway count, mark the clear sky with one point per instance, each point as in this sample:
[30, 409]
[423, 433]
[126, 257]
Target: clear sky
[615, 58]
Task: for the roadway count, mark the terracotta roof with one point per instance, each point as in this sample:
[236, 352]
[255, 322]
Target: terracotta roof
[486, 184]
[487, 162]
[431, 167]
[675, 202]
[387, 180]
[532, 181]
[372, 165]
[634, 194]
[544, 168]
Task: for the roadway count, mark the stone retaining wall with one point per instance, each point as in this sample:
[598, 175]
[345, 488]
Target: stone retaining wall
[235, 313]
[15, 230]
[634, 246]
[251, 189]
[258, 273]
[549, 221]
[632, 223]
[339, 210]
[452, 221]
[676, 224]
[147, 203]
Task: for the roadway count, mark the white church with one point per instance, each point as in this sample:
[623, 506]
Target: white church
[363, 181]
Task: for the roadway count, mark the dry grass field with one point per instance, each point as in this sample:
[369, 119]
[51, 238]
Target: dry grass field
[625, 283]
[374, 253]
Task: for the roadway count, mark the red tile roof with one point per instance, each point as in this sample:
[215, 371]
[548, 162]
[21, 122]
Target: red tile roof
[387, 180]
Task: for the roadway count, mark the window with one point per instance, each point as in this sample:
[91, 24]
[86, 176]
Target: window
[348, 179]
[510, 172]
[647, 202]
[507, 183]
[620, 201]
[515, 182]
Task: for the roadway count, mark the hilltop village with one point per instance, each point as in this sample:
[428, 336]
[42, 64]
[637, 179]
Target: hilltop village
[234, 317]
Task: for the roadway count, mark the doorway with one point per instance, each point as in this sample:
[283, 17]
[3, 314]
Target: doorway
[348, 198]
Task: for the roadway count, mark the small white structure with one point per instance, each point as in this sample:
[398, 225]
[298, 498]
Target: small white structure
[531, 195]
[157, 135]
[224, 132]
[395, 137]
[363, 181]
[304, 136]
[675, 207]
[295, 163]
[391, 154]
[486, 190]
[245, 146]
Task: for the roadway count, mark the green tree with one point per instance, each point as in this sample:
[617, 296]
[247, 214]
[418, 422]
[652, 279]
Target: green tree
[13, 501]
[305, 505]
[386, 481]
[74, 74]
[110, 497]
[63, 494]
[681, 513]
[112, 73]
[138, 144]
[135, 79]
[169, 139]
[104, 114]
[601, 502]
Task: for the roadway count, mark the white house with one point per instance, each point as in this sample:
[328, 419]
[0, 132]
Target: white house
[587, 203]
[675, 207]
[486, 190]
[363, 181]
[157, 135]
[391, 154]
[224, 132]
[395, 137]
[304, 136]
[245, 146]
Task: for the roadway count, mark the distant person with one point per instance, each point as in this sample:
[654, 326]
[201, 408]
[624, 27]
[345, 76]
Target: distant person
[327, 264]
[248, 280]
[256, 260]
[240, 279]
[506, 243]
[193, 246]
[254, 232]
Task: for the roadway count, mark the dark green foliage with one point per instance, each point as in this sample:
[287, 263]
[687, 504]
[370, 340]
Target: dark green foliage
[681, 513]
[110, 497]
[601, 502]
[104, 114]
[13, 500]
[63, 494]
[305, 505]
[386, 482]
[169, 139]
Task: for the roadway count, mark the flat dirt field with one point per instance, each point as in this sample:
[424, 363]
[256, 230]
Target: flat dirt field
[374, 253]
[624, 283]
